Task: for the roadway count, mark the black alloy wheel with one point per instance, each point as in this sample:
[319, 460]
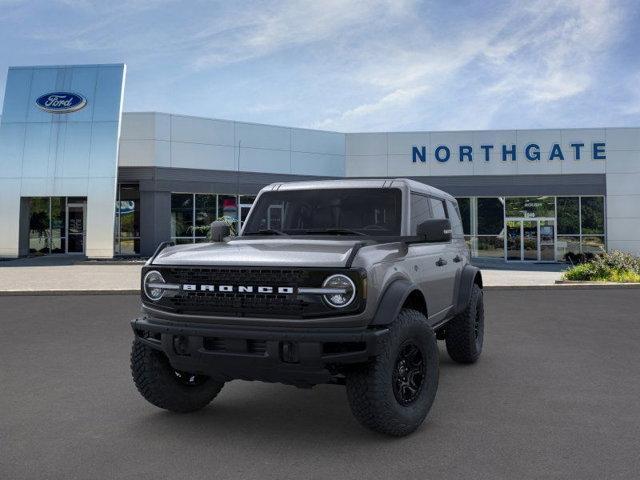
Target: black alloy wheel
[408, 373]
[189, 379]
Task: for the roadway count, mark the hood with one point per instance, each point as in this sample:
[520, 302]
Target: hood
[285, 252]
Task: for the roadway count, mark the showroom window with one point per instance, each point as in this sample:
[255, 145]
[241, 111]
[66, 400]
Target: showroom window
[490, 227]
[530, 207]
[464, 206]
[127, 228]
[193, 213]
[57, 225]
[47, 225]
[581, 223]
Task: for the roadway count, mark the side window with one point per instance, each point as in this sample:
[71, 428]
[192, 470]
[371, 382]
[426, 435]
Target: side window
[438, 208]
[420, 211]
[454, 216]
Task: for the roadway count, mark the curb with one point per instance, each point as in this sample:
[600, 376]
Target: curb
[565, 286]
[556, 286]
[22, 293]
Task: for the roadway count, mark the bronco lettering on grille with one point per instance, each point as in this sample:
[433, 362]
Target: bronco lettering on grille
[192, 287]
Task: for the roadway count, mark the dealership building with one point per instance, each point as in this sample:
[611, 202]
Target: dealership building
[80, 176]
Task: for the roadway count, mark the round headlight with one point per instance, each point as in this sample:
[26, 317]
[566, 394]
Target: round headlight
[151, 289]
[344, 291]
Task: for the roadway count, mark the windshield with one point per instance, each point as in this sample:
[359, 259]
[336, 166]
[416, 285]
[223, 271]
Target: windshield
[355, 211]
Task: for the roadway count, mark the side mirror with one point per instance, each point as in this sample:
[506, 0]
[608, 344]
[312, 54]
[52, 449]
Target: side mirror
[219, 230]
[435, 230]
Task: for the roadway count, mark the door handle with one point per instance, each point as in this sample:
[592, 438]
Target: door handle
[457, 259]
[441, 262]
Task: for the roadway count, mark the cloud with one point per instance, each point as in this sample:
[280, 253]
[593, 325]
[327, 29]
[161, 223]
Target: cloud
[285, 25]
[347, 65]
[535, 55]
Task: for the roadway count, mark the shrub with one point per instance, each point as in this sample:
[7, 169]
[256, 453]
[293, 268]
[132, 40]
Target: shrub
[615, 266]
[578, 258]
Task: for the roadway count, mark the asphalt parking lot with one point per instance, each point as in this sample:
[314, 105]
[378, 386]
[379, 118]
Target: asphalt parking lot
[555, 395]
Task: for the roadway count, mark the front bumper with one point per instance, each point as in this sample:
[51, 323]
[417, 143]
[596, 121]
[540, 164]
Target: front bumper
[285, 355]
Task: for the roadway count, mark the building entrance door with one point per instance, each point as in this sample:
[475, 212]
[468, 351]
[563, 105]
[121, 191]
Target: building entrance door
[529, 239]
[76, 220]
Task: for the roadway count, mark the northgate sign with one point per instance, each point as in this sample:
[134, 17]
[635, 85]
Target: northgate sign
[531, 152]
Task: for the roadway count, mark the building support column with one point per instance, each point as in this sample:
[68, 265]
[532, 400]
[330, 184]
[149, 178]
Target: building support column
[155, 220]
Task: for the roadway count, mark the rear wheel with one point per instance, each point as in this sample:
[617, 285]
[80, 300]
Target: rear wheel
[464, 335]
[165, 387]
[394, 392]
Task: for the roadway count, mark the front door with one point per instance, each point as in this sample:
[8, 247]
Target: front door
[530, 240]
[75, 227]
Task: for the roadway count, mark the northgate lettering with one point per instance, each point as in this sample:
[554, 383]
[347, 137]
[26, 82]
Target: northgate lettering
[531, 152]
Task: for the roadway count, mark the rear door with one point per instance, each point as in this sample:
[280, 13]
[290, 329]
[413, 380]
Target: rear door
[449, 260]
[425, 265]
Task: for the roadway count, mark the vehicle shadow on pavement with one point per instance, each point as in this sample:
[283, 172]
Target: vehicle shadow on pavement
[266, 411]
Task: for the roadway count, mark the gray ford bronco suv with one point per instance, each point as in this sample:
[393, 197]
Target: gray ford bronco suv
[348, 282]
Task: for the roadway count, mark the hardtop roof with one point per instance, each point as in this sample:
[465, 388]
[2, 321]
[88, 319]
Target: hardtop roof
[412, 185]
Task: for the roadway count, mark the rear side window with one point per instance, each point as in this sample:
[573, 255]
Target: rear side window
[438, 208]
[420, 211]
[454, 217]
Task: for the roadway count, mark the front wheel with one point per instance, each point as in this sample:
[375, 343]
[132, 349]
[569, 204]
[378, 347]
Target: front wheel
[394, 392]
[165, 387]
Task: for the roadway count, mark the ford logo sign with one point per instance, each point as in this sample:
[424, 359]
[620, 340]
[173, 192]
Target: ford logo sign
[61, 102]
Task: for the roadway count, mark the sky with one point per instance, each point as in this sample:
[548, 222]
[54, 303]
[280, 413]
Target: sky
[350, 65]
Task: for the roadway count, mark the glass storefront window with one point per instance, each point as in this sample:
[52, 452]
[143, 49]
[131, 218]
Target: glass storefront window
[592, 214]
[490, 216]
[567, 244]
[530, 207]
[193, 213]
[182, 215]
[205, 214]
[580, 223]
[39, 225]
[127, 227]
[48, 229]
[464, 206]
[58, 217]
[491, 246]
[568, 215]
[593, 244]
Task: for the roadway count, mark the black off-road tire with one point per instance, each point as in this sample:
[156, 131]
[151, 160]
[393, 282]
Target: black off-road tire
[464, 335]
[372, 388]
[160, 384]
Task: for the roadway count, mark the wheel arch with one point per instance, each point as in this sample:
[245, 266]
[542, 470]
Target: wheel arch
[400, 293]
[469, 277]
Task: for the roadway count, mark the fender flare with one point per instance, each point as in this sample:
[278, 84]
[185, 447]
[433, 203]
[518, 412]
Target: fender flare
[392, 300]
[467, 279]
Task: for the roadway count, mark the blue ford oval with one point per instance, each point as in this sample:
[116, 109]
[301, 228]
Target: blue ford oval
[61, 102]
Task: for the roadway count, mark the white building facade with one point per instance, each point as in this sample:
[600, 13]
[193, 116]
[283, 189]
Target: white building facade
[525, 195]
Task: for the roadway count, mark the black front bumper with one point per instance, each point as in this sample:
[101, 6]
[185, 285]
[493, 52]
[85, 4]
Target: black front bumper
[293, 356]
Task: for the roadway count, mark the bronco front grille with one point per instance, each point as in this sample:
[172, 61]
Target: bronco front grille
[254, 304]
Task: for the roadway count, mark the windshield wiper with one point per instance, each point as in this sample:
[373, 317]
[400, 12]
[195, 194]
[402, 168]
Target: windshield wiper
[266, 231]
[334, 231]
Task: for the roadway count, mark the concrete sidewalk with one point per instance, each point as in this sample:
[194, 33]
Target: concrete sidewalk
[68, 274]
